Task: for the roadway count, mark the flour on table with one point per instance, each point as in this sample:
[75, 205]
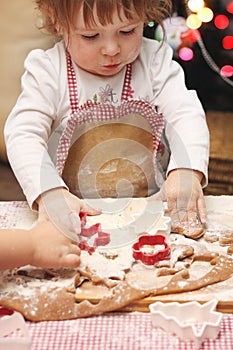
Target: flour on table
[117, 280]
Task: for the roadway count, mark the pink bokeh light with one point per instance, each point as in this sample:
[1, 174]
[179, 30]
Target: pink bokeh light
[186, 54]
[226, 71]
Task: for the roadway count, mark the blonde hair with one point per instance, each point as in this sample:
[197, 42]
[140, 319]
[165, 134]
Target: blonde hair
[59, 14]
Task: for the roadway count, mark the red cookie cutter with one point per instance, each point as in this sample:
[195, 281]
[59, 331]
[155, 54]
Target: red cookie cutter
[102, 239]
[149, 258]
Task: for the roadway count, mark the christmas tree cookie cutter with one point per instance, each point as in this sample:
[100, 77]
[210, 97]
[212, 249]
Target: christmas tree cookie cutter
[189, 321]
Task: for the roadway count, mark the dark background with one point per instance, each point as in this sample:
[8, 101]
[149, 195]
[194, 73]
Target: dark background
[213, 91]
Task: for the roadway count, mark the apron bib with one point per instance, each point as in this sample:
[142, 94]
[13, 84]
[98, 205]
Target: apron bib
[107, 150]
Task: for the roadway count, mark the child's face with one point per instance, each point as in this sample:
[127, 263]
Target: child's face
[105, 50]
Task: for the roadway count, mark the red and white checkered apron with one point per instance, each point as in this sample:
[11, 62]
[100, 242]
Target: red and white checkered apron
[91, 113]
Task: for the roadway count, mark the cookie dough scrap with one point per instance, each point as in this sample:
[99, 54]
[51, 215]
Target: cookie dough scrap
[196, 233]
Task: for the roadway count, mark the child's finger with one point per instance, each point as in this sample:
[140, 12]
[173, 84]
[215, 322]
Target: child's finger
[71, 260]
[202, 210]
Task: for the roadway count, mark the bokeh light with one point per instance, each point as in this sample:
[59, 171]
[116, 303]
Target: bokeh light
[191, 35]
[193, 21]
[195, 5]
[205, 14]
[230, 7]
[186, 54]
[221, 21]
[227, 71]
[227, 42]
[151, 24]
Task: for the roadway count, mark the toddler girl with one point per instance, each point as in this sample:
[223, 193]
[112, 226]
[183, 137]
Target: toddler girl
[106, 113]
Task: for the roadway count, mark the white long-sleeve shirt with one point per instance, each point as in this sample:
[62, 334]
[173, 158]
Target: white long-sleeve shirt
[41, 112]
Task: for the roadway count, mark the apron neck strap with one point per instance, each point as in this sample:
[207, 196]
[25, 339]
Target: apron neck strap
[72, 84]
[127, 89]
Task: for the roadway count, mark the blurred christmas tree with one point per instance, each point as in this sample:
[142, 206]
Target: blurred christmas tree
[205, 53]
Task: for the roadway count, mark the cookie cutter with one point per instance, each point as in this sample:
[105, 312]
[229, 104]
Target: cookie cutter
[143, 249]
[189, 321]
[102, 239]
[125, 219]
[13, 322]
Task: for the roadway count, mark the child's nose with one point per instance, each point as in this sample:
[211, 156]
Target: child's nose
[110, 48]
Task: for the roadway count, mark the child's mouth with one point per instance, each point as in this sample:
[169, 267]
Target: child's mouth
[112, 66]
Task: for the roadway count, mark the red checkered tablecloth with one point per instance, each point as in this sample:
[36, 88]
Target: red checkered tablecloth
[118, 331]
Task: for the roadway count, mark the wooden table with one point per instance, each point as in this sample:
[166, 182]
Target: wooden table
[113, 331]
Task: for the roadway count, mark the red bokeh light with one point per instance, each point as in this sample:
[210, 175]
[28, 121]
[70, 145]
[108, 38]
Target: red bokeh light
[227, 42]
[221, 21]
[191, 35]
[230, 7]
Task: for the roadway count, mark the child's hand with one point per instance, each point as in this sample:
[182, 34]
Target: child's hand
[62, 208]
[50, 248]
[183, 193]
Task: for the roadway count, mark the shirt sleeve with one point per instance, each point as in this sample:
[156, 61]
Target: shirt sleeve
[186, 128]
[28, 127]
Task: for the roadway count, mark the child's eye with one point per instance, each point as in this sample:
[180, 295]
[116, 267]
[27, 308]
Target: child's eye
[90, 37]
[128, 32]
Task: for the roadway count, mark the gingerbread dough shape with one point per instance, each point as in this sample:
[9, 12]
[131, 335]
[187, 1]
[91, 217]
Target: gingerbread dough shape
[51, 302]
